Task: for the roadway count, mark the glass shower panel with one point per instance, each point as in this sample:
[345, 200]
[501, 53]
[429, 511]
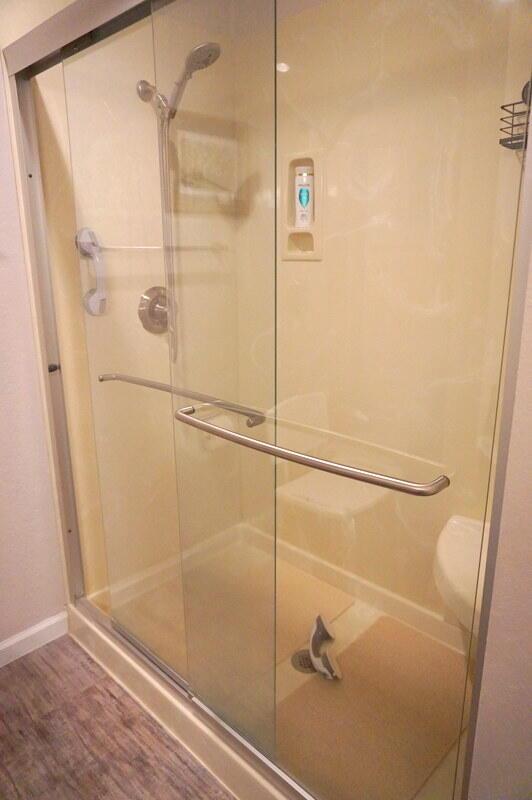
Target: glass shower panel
[113, 146]
[391, 308]
[221, 182]
[359, 321]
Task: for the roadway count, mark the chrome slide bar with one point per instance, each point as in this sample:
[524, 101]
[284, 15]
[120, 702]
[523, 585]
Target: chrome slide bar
[186, 415]
[254, 417]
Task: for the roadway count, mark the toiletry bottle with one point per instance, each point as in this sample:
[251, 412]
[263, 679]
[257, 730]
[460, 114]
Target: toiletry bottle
[304, 197]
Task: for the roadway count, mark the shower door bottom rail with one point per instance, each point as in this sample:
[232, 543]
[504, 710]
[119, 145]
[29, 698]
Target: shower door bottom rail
[148, 654]
[187, 416]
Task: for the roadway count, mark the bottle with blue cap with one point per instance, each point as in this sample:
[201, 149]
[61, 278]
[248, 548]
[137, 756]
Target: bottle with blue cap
[304, 196]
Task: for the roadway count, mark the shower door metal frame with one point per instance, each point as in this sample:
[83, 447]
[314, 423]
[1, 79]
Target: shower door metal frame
[80, 25]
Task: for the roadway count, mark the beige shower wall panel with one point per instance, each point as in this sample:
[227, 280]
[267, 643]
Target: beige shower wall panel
[50, 109]
[400, 326]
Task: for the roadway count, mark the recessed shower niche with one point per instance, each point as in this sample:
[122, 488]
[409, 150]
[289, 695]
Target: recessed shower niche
[303, 183]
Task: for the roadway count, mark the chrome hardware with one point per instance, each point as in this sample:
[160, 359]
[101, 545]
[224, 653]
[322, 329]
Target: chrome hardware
[87, 243]
[322, 660]
[186, 415]
[153, 310]
[515, 121]
[317, 658]
[301, 661]
[254, 417]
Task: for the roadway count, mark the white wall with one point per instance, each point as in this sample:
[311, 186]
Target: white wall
[31, 584]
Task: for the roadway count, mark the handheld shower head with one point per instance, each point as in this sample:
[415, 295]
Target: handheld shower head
[146, 91]
[200, 57]
[148, 94]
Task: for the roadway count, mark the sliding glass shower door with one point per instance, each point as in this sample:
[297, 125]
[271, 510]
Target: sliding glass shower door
[340, 296]
[172, 300]
[118, 334]
[295, 225]
[391, 305]
[221, 182]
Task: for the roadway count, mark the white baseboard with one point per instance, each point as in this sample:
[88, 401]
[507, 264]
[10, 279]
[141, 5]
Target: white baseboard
[30, 639]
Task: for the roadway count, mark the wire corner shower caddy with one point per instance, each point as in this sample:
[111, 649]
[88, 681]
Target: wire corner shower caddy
[515, 121]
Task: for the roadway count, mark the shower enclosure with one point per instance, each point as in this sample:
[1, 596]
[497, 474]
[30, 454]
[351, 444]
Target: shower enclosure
[281, 435]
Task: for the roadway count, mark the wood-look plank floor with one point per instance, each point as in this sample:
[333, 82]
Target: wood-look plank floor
[69, 732]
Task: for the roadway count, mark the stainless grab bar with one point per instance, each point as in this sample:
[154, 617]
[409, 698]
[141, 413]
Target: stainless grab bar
[186, 415]
[254, 417]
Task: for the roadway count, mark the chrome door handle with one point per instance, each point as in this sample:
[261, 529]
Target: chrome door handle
[186, 415]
